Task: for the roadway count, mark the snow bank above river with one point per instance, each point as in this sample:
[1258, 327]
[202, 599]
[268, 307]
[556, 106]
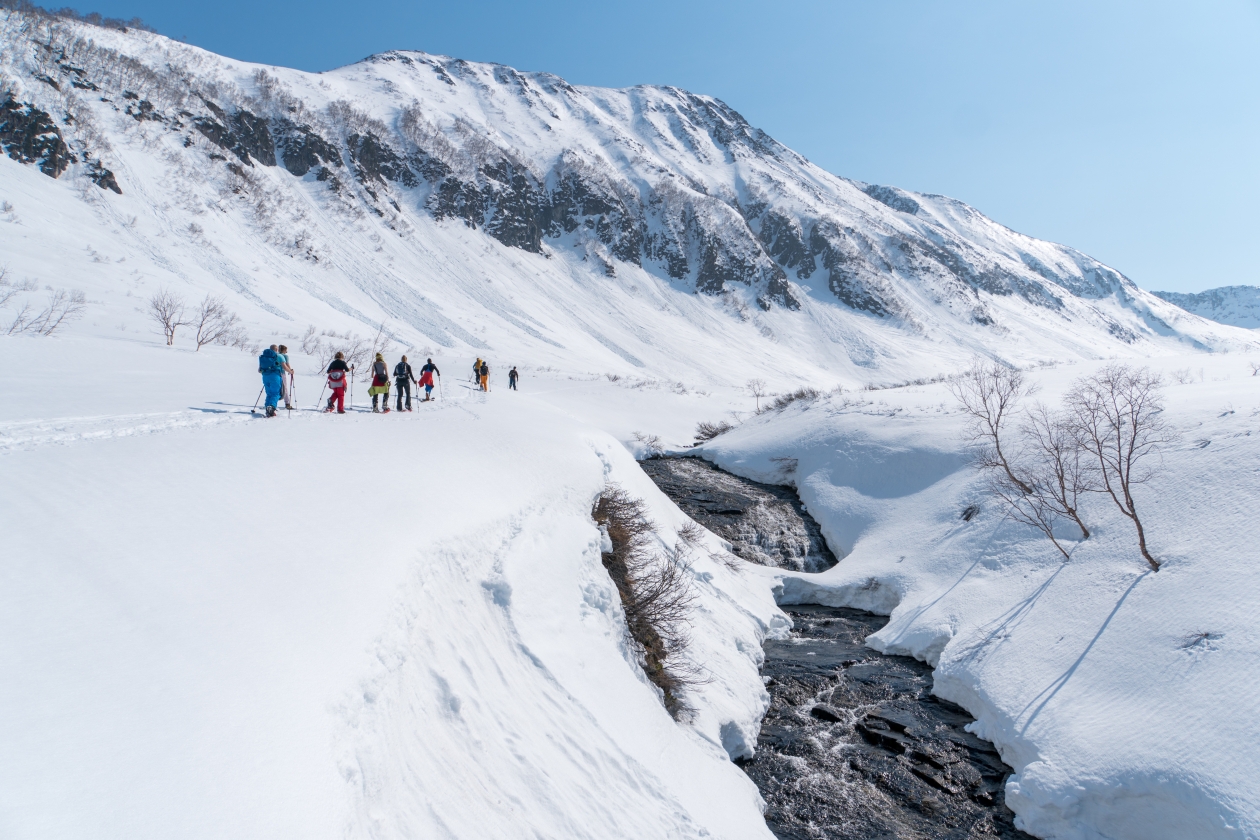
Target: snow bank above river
[1124, 699]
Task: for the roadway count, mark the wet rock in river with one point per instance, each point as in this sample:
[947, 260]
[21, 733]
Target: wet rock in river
[764, 523]
[855, 747]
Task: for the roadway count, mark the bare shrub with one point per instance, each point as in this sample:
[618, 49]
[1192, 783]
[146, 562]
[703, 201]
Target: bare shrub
[1255, 368]
[236, 337]
[990, 394]
[1183, 376]
[167, 308]
[311, 339]
[1115, 415]
[782, 401]
[650, 442]
[756, 387]
[706, 431]
[62, 308]
[213, 320]
[656, 595]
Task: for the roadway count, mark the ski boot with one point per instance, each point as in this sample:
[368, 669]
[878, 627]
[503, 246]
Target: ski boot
[271, 411]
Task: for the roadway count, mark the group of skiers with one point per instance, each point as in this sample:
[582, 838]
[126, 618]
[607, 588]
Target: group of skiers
[277, 376]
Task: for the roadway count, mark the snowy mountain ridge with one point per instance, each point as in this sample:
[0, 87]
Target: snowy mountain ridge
[1238, 306]
[339, 198]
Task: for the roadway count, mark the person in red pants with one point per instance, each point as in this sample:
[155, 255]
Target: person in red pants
[338, 378]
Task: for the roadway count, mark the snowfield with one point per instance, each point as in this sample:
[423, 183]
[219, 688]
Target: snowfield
[334, 626]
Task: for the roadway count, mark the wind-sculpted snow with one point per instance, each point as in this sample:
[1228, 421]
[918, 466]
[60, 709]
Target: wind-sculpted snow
[335, 185]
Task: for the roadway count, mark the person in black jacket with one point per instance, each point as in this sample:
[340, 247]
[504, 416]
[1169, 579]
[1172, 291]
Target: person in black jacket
[403, 379]
[426, 378]
[512, 377]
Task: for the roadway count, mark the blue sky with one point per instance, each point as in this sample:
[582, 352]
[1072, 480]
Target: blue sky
[1128, 130]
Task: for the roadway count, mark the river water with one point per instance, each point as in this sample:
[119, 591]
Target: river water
[854, 745]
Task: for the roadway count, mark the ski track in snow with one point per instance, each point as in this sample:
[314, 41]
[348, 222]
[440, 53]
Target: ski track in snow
[68, 431]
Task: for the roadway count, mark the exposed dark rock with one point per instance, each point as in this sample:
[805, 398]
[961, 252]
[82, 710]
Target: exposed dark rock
[302, 150]
[243, 134]
[785, 242]
[143, 110]
[848, 258]
[102, 177]
[29, 135]
[893, 197]
[518, 214]
[374, 160]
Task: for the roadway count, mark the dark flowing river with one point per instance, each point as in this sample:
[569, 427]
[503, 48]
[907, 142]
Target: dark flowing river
[854, 745]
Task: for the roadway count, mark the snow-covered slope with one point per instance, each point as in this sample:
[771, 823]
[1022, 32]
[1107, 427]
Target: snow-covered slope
[1238, 306]
[476, 208]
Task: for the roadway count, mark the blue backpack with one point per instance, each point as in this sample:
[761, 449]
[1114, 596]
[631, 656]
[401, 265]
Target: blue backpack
[269, 362]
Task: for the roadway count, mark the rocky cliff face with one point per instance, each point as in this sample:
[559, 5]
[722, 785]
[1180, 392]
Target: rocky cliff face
[1237, 306]
[654, 178]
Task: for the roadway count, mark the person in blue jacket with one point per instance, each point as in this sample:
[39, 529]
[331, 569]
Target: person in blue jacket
[271, 366]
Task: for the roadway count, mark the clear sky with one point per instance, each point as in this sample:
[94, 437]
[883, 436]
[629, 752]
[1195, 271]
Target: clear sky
[1125, 128]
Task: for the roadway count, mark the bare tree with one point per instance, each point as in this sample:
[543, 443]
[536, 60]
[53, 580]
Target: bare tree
[167, 308]
[990, 393]
[1255, 368]
[1057, 477]
[1115, 416]
[213, 320]
[1061, 476]
[756, 387]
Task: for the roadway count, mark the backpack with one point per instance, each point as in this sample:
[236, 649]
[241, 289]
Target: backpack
[269, 362]
[336, 379]
[400, 371]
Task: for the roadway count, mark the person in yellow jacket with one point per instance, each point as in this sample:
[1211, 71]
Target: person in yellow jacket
[477, 372]
[380, 384]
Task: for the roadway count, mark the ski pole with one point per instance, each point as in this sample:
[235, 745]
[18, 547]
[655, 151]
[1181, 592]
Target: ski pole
[352, 387]
[292, 396]
[260, 393]
[321, 396]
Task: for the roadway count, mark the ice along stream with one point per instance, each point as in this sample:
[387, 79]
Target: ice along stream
[854, 745]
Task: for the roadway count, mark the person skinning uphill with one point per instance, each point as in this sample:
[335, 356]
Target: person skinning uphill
[484, 371]
[402, 381]
[512, 377]
[272, 370]
[380, 384]
[477, 372]
[338, 374]
[426, 378]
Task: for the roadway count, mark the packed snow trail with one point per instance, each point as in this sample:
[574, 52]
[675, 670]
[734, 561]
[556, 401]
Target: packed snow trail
[356, 625]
